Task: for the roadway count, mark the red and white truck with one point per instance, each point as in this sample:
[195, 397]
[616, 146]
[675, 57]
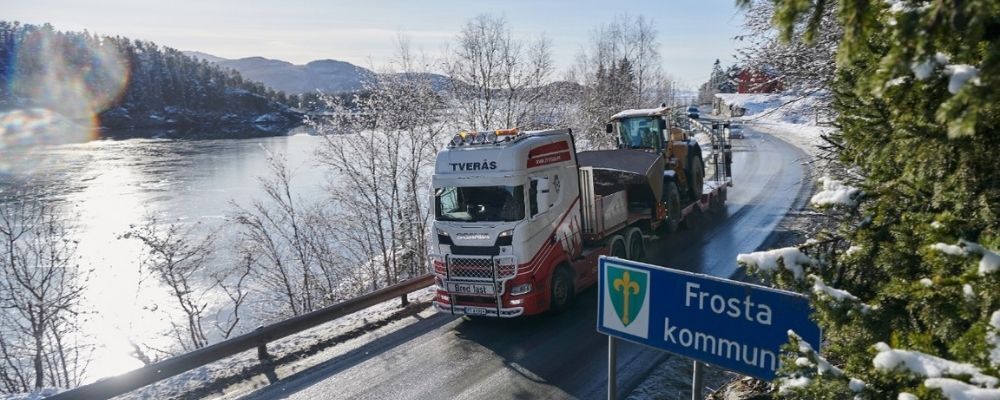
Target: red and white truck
[521, 217]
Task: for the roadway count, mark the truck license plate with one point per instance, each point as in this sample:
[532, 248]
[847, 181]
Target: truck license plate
[475, 311]
[485, 289]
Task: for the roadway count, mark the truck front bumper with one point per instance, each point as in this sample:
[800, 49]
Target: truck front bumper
[478, 311]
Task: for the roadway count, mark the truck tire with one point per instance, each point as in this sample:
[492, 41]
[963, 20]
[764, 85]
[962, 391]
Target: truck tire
[562, 290]
[619, 247]
[672, 198]
[636, 244]
[696, 177]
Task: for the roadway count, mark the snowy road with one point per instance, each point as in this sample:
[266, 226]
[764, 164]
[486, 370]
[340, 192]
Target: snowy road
[561, 356]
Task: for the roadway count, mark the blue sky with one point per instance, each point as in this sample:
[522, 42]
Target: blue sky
[692, 33]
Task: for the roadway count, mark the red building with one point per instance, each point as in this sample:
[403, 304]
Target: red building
[758, 81]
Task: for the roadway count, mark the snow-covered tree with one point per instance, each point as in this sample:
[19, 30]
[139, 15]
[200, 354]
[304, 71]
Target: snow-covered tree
[619, 70]
[383, 153]
[908, 300]
[497, 80]
[800, 58]
[41, 287]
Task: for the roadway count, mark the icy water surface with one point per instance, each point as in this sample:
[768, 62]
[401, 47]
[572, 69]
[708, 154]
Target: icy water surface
[109, 185]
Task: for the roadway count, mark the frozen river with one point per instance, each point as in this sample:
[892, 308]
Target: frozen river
[109, 185]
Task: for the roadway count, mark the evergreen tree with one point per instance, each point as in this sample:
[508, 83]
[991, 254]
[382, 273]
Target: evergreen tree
[160, 80]
[916, 89]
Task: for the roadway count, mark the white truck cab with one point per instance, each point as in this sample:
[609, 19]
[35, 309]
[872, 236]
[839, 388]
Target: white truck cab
[506, 207]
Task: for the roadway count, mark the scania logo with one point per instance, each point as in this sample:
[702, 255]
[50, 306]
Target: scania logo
[473, 236]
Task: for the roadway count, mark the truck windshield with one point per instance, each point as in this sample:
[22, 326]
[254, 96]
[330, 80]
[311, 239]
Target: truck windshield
[640, 133]
[479, 203]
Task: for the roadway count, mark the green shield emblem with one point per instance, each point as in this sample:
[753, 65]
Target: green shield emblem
[628, 291]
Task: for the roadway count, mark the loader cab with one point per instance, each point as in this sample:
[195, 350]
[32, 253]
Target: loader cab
[645, 133]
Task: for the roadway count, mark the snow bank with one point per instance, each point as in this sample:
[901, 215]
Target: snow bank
[791, 258]
[907, 396]
[926, 365]
[790, 117]
[835, 193]
[36, 395]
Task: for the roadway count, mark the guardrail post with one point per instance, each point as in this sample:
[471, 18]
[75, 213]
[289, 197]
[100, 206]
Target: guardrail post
[262, 353]
[404, 300]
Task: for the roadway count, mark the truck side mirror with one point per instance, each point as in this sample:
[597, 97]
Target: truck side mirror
[609, 129]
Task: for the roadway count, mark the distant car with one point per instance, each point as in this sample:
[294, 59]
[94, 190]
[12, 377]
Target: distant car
[693, 109]
[693, 115]
[735, 131]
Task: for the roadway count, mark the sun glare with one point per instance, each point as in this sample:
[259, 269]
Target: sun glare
[68, 81]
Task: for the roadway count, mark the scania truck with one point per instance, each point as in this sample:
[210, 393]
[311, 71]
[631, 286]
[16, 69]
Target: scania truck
[520, 218]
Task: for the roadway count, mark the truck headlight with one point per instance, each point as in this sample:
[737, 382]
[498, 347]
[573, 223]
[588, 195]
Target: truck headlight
[444, 238]
[518, 290]
[505, 238]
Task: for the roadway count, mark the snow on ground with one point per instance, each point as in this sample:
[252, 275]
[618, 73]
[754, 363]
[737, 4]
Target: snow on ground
[790, 117]
[41, 394]
[300, 343]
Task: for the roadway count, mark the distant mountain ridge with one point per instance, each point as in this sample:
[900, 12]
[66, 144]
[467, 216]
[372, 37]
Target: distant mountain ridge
[327, 76]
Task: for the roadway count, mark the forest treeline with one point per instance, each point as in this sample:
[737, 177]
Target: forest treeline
[128, 83]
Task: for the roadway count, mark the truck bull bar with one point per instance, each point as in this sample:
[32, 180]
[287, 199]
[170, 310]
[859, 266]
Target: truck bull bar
[475, 276]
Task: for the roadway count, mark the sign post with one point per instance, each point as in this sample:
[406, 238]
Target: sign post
[730, 324]
[612, 368]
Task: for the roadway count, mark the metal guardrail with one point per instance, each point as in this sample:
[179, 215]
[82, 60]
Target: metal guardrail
[129, 381]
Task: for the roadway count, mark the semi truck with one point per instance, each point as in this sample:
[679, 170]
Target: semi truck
[520, 218]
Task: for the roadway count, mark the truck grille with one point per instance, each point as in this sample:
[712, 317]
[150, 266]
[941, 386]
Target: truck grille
[471, 268]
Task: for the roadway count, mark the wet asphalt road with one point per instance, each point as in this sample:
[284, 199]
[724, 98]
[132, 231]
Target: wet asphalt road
[559, 356]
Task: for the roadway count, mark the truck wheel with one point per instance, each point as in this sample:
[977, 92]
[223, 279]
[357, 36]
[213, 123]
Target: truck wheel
[562, 290]
[618, 247]
[696, 177]
[636, 245]
[673, 199]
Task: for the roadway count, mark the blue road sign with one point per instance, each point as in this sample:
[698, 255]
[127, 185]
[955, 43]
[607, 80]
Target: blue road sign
[733, 325]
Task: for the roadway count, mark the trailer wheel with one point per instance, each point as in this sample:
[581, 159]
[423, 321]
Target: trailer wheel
[636, 245]
[562, 289]
[673, 199]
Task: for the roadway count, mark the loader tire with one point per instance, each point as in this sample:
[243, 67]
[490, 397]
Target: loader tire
[696, 177]
[672, 198]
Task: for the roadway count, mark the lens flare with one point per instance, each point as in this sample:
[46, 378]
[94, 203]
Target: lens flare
[59, 84]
